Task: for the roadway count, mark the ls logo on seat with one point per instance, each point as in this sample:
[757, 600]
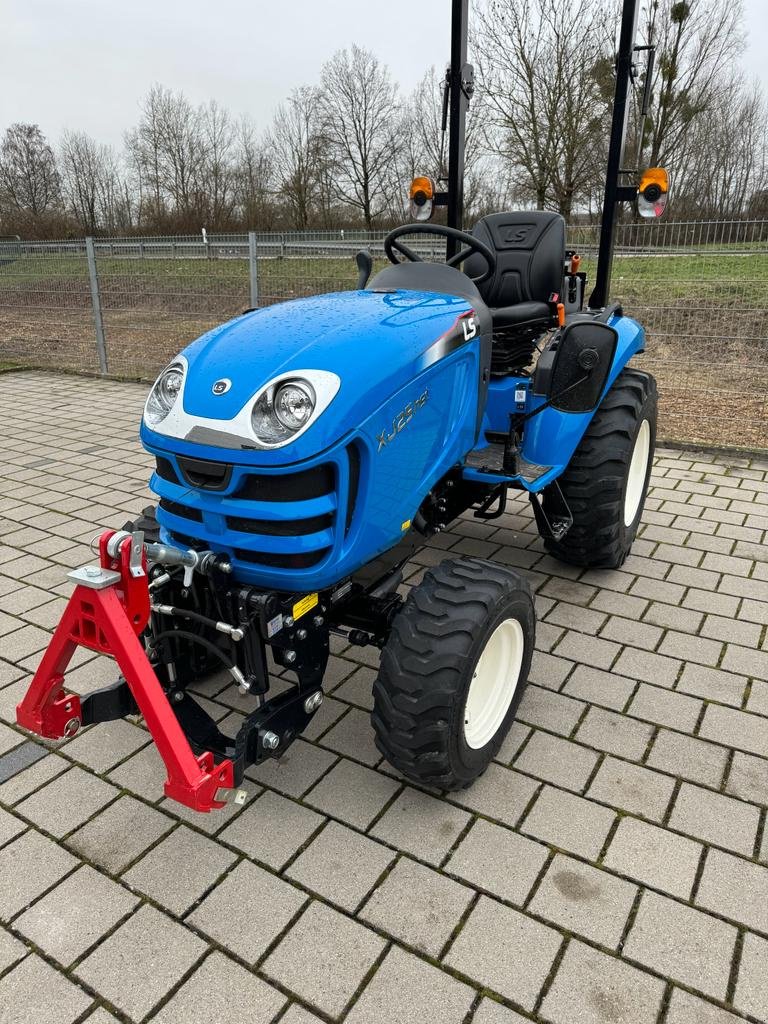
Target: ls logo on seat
[402, 420]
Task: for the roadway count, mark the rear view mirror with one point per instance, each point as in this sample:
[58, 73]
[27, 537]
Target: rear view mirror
[573, 371]
[653, 192]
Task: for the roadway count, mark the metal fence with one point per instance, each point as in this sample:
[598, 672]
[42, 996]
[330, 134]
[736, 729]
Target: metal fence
[125, 306]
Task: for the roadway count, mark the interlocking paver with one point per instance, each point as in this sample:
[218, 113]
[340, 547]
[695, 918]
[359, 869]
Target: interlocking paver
[104, 746]
[552, 711]
[421, 825]
[271, 829]
[735, 888]
[29, 865]
[417, 905]
[119, 834]
[715, 818]
[557, 760]
[341, 865]
[632, 788]
[569, 822]
[592, 988]
[665, 707]
[584, 900]
[491, 1012]
[505, 951]
[204, 862]
[713, 684]
[324, 958]
[683, 943]
[35, 991]
[228, 916]
[597, 687]
[752, 986]
[405, 989]
[736, 729]
[353, 793]
[484, 856]
[132, 968]
[647, 666]
[748, 778]
[655, 856]
[11, 950]
[685, 1008]
[688, 757]
[221, 990]
[74, 915]
[614, 733]
[499, 793]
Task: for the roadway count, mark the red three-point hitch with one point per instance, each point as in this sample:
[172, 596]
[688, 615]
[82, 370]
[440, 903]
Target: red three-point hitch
[106, 613]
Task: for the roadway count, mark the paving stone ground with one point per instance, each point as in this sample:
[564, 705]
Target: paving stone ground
[611, 868]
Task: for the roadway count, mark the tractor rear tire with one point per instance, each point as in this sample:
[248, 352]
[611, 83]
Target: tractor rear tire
[606, 481]
[453, 672]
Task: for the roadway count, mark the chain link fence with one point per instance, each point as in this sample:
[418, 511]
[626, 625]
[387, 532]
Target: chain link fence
[125, 306]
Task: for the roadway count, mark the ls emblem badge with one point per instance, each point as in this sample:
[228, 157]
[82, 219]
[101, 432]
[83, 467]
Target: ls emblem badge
[221, 387]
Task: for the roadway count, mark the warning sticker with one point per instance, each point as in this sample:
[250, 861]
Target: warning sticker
[304, 605]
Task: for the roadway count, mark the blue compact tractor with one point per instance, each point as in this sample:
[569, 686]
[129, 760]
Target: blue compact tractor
[303, 453]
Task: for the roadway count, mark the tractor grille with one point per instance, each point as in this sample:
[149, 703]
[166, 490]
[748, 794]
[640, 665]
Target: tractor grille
[277, 520]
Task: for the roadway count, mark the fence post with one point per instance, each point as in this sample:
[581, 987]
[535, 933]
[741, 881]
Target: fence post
[253, 267]
[98, 322]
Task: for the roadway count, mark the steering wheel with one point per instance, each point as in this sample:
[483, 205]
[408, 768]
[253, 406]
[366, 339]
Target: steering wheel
[472, 246]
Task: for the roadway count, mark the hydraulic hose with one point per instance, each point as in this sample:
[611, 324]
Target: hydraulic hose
[183, 634]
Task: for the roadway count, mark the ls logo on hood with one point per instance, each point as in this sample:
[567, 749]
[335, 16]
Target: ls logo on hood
[221, 387]
[401, 420]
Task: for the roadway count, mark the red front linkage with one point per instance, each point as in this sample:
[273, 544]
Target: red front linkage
[106, 613]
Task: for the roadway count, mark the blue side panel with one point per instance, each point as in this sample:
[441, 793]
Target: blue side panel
[551, 438]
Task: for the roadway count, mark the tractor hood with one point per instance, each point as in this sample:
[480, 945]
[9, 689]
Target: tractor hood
[357, 348]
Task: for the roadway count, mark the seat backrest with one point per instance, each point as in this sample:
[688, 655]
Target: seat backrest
[530, 252]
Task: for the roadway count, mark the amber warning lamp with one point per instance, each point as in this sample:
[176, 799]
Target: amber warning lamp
[422, 198]
[653, 192]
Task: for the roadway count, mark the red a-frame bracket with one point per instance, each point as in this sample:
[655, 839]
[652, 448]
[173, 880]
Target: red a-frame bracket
[106, 613]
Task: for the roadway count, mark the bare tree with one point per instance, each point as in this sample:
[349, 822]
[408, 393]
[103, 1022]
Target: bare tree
[91, 182]
[30, 186]
[217, 170]
[253, 178]
[543, 107]
[360, 114]
[297, 152]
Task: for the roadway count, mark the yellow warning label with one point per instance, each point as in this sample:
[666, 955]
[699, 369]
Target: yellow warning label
[304, 605]
[406, 525]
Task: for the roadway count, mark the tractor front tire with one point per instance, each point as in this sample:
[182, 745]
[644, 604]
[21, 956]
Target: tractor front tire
[606, 481]
[453, 671]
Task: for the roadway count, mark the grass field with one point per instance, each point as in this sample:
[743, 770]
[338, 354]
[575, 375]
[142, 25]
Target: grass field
[704, 313]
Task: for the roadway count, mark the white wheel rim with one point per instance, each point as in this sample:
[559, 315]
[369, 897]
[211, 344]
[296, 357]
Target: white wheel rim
[638, 467]
[494, 681]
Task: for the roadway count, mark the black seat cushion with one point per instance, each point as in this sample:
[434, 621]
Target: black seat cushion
[530, 252]
[522, 313]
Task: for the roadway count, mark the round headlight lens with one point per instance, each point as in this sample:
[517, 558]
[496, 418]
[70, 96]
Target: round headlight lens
[163, 395]
[294, 404]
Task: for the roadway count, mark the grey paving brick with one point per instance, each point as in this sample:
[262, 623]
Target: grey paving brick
[324, 958]
[758, 697]
[569, 822]
[548, 670]
[685, 1008]
[614, 733]
[706, 601]
[588, 650]
[405, 990]
[592, 988]
[568, 590]
[632, 788]
[645, 665]
[657, 590]
[505, 951]
[10, 826]
[18, 758]
[421, 825]
[499, 793]
[631, 631]
[75, 915]
[108, 743]
[574, 616]
[296, 1014]
[341, 865]
[271, 829]
[596, 687]
[552, 711]
[358, 688]
[748, 778]
[754, 611]
[736, 729]
[418, 906]
[204, 863]
[144, 774]
[619, 604]
[735, 888]
[29, 779]
[716, 818]
[120, 834]
[132, 969]
[221, 990]
[713, 684]
[512, 743]
[491, 1012]
[665, 707]
[584, 900]
[227, 913]
[731, 630]
[11, 950]
[353, 735]
[752, 985]
[484, 856]
[675, 617]
[747, 662]
[557, 760]
[29, 865]
[35, 991]
[683, 943]
[352, 793]
[688, 757]
[654, 856]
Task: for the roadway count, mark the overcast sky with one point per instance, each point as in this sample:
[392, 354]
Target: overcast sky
[85, 64]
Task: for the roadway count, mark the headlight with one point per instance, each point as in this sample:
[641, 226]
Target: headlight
[164, 394]
[283, 410]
